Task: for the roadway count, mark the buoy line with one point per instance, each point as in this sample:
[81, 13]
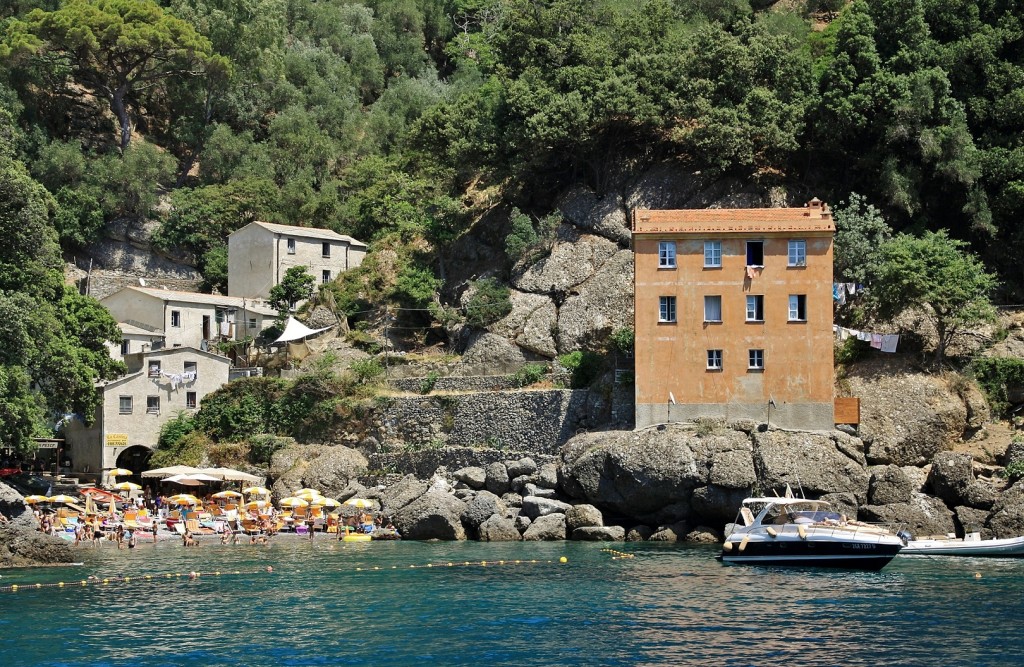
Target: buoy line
[93, 580]
[618, 555]
[467, 563]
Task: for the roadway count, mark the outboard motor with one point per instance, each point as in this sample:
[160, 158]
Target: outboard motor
[904, 535]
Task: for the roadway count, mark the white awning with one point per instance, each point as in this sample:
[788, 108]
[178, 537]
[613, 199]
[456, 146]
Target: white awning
[295, 330]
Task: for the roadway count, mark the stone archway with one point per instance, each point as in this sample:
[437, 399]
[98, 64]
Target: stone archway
[135, 458]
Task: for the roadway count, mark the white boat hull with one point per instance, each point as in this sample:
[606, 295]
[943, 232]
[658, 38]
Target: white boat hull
[1010, 547]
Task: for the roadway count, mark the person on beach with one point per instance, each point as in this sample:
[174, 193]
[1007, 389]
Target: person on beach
[132, 541]
[119, 536]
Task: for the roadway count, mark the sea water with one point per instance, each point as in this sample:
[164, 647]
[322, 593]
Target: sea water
[401, 603]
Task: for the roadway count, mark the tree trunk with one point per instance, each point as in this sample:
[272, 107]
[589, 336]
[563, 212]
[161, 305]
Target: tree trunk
[117, 105]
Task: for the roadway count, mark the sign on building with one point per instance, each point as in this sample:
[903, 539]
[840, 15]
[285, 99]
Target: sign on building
[117, 440]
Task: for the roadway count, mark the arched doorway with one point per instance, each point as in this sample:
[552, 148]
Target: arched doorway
[135, 458]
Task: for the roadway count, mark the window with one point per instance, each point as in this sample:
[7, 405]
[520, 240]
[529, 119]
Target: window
[154, 369]
[325, 277]
[755, 360]
[755, 308]
[797, 307]
[175, 318]
[125, 347]
[755, 253]
[712, 254]
[713, 308]
[190, 400]
[252, 323]
[291, 246]
[714, 360]
[666, 309]
[797, 253]
[153, 405]
[666, 254]
[325, 249]
[124, 406]
[191, 367]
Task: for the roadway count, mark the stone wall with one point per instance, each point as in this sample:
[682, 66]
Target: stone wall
[415, 385]
[538, 421]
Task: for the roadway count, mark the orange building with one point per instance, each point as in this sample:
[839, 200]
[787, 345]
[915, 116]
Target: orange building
[733, 315]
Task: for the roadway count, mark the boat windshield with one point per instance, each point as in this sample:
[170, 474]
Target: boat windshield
[781, 514]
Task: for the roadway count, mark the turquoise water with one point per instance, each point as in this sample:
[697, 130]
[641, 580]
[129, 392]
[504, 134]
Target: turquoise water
[324, 605]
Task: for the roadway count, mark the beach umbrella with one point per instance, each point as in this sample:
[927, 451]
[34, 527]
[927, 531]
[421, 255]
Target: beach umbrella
[61, 499]
[293, 501]
[126, 486]
[32, 500]
[256, 504]
[184, 499]
[170, 470]
[309, 494]
[191, 479]
[360, 502]
[256, 491]
[330, 502]
[227, 494]
[120, 472]
[229, 474]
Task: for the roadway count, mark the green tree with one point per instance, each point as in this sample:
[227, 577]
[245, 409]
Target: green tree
[297, 285]
[860, 233]
[935, 274]
[115, 47]
[489, 303]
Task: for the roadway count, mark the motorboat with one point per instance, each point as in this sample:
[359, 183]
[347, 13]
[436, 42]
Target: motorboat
[970, 544]
[809, 533]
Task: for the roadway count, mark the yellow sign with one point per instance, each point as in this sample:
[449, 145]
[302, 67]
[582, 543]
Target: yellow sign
[117, 440]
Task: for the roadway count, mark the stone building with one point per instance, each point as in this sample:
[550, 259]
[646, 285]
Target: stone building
[260, 254]
[159, 385]
[733, 315]
[184, 319]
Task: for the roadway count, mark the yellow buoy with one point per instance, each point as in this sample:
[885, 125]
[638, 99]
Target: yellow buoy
[977, 575]
[727, 546]
[803, 532]
[563, 559]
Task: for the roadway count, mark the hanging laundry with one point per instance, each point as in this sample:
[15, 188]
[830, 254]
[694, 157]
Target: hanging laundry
[835, 291]
[188, 376]
[864, 336]
[889, 342]
[851, 288]
[876, 341]
[753, 271]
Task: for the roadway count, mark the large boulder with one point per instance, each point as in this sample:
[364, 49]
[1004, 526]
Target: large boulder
[670, 533]
[480, 509]
[499, 529]
[1007, 516]
[595, 309]
[401, 493]
[535, 506]
[950, 477]
[497, 478]
[524, 466]
[605, 216]
[434, 515]
[639, 533]
[922, 516]
[969, 520]
[811, 461]
[599, 534]
[716, 504]
[639, 473]
[546, 528]
[474, 477]
[531, 323]
[909, 416]
[23, 546]
[581, 516]
[332, 467]
[888, 485]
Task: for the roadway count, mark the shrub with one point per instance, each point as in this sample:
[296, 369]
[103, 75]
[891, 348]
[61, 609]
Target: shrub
[174, 430]
[262, 447]
[584, 365]
[850, 350]
[227, 454]
[427, 384]
[995, 375]
[489, 303]
[622, 340]
[529, 374]
[189, 450]
[366, 370]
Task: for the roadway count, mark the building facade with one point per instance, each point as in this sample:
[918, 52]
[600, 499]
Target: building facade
[260, 254]
[733, 315]
[159, 385]
[186, 319]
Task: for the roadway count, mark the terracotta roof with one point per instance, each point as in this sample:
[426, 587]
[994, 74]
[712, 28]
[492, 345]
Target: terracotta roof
[204, 299]
[308, 232]
[816, 216]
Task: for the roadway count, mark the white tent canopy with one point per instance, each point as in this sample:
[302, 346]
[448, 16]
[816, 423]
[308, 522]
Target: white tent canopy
[231, 475]
[169, 471]
[295, 330]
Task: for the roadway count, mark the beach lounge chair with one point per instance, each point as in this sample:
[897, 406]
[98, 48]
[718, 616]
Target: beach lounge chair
[130, 520]
[192, 523]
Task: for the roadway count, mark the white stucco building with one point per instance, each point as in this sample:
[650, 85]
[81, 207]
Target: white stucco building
[260, 254]
[183, 319]
[159, 385]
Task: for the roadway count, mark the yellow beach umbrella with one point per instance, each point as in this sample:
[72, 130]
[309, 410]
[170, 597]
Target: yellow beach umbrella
[360, 502]
[227, 494]
[127, 486]
[61, 498]
[309, 494]
[293, 501]
[120, 472]
[256, 504]
[256, 491]
[330, 502]
[184, 499]
[32, 500]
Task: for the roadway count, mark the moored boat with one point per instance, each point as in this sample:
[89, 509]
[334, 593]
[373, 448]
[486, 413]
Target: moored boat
[796, 531]
[970, 544]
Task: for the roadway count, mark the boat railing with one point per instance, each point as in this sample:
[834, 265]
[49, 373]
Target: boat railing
[860, 529]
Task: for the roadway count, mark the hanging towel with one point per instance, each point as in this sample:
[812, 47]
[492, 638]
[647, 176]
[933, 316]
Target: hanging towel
[876, 341]
[851, 288]
[889, 342]
[864, 336]
[835, 291]
[845, 333]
